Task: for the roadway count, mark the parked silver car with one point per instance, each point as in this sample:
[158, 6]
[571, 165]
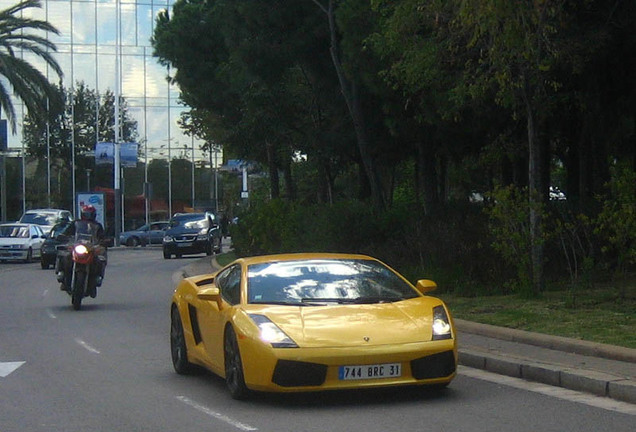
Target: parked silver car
[46, 218]
[151, 233]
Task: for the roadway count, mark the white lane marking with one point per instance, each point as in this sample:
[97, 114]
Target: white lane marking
[51, 314]
[86, 346]
[7, 367]
[219, 416]
[548, 390]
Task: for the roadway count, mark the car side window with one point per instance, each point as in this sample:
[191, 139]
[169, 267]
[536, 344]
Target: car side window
[229, 283]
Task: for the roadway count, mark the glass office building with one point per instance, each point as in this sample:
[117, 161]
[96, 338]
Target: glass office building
[86, 51]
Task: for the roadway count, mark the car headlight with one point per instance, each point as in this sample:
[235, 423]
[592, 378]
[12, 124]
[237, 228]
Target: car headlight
[441, 324]
[271, 333]
[167, 239]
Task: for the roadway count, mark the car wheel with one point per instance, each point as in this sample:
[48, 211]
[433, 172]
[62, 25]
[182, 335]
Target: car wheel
[208, 249]
[44, 264]
[166, 254]
[234, 378]
[133, 241]
[178, 347]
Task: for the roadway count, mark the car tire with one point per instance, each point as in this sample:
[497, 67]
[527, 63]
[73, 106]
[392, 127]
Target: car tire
[166, 254]
[208, 249]
[132, 242]
[44, 264]
[234, 377]
[178, 348]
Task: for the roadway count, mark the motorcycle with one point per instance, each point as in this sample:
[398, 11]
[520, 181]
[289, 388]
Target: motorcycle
[79, 268]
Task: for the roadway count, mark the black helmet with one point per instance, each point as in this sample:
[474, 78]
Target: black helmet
[89, 213]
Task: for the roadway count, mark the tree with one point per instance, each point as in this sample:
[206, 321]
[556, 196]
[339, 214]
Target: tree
[20, 34]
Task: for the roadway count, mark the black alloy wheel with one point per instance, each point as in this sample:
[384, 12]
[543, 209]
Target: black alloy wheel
[178, 345]
[234, 378]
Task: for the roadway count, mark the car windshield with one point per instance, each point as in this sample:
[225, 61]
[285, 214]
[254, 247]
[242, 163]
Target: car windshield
[15, 231]
[190, 221]
[57, 230]
[325, 281]
[39, 218]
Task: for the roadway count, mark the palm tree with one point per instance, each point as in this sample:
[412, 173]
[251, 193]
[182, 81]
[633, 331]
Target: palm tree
[18, 33]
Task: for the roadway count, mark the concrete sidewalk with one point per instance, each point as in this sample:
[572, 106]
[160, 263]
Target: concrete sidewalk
[599, 369]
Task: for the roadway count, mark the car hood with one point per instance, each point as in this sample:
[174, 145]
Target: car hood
[8, 241]
[352, 325]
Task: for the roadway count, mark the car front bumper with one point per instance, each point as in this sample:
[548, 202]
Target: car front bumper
[314, 369]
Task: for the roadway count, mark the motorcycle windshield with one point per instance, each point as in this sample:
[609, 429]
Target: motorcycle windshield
[86, 232]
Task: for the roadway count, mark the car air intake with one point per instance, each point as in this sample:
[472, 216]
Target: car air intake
[438, 365]
[290, 373]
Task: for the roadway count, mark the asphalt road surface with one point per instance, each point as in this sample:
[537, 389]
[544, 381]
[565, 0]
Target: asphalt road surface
[107, 368]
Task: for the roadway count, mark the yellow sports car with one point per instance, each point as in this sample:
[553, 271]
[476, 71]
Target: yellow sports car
[309, 322]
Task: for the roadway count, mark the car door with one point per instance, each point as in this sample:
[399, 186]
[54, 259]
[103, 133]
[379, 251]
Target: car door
[157, 232]
[212, 319]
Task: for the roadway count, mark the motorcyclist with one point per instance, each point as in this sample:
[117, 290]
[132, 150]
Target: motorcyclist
[87, 225]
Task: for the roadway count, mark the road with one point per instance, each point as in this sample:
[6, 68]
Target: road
[107, 368]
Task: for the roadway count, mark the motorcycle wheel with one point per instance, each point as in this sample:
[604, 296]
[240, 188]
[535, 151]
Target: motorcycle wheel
[78, 290]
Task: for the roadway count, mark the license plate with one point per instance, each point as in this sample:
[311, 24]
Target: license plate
[360, 372]
[187, 244]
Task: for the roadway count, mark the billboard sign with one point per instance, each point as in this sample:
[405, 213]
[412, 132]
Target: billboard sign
[105, 154]
[97, 200]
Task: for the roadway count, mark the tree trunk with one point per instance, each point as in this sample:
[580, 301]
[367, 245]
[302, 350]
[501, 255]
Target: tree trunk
[535, 200]
[274, 185]
[350, 91]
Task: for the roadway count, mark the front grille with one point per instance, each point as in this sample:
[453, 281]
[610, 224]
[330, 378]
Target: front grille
[438, 365]
[290, 373]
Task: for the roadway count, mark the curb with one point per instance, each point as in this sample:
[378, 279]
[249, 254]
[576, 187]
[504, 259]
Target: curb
[588, 381]
[559, 343]
[597, 383]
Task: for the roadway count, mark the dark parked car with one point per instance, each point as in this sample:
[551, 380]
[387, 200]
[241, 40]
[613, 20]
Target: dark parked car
[192, 233]
[151, 233]
[58, 235]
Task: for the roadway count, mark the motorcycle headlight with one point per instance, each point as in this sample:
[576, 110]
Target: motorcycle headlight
[80, 249]
[272, 334]
[441, 324]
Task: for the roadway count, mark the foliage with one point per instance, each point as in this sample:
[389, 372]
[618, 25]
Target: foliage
[574, 235]
[509, 217]
[19, 33]
[617, 220]
[453, 97]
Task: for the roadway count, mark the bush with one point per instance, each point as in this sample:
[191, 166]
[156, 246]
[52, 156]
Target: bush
[447, 246]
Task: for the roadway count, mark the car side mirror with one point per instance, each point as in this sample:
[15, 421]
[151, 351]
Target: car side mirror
[210, 294]
[425, 285]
